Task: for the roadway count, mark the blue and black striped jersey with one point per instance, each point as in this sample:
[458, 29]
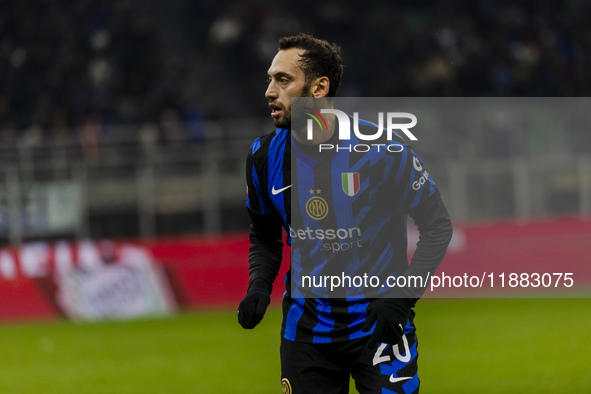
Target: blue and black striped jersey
[349, 206]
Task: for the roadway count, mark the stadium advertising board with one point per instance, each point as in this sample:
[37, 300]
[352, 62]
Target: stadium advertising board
[82, 281]
[208, 273]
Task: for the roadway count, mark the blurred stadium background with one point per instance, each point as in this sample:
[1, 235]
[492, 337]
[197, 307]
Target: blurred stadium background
[124, 126]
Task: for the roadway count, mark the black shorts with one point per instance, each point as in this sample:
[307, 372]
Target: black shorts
[325, 368]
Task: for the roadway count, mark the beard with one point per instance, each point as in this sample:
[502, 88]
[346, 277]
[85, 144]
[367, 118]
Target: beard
[284, 121]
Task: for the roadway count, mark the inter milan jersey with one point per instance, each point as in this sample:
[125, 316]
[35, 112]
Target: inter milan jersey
[350, 207]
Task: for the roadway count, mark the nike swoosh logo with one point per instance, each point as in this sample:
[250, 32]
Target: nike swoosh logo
[275, 192]
[396, 380]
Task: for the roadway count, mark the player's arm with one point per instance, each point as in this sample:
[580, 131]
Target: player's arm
[425, 206]
[265, 253]
[266, 249]
[419, 197]
[435, 232]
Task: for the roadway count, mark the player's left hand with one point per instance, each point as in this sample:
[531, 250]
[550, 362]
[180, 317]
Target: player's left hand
[390, 316]
[253, 307]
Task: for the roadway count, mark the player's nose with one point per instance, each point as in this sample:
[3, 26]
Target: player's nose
[271, 92]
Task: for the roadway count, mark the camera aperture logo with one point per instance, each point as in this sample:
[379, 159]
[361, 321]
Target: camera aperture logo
[343, 121]
[315, 116]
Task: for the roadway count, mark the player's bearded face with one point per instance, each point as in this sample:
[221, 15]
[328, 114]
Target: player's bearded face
[283, 121]
[286, 79]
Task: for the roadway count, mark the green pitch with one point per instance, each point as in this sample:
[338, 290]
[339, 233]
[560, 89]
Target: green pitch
[465, 346]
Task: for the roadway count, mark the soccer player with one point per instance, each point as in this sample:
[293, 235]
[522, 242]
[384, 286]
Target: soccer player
[325, 341]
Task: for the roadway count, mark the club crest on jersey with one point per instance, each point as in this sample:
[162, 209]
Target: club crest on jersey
[350, 183]
[285, 386]
[317, 208]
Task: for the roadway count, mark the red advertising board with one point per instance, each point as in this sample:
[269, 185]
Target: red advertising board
[212, 272]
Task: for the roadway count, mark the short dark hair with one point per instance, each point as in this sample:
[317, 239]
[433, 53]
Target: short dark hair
[320, 59]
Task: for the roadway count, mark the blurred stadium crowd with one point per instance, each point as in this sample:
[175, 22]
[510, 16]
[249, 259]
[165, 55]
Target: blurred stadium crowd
[65, 63]
[439, 48]
[112, 90]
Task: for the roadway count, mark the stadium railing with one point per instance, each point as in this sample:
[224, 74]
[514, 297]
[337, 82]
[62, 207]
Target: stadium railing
[66, 184]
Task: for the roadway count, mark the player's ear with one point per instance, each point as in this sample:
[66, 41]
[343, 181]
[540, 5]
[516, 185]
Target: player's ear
[320, 87]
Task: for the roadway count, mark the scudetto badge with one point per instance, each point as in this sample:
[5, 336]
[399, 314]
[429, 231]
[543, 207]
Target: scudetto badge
[285, 386]
[350, 182]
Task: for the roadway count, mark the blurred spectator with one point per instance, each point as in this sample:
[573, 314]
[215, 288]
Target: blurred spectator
[174, 129]
[63, 60]
[196, 125]
[90, 136]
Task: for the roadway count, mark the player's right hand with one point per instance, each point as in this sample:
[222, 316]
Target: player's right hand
[253, 307]
[389, 316]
